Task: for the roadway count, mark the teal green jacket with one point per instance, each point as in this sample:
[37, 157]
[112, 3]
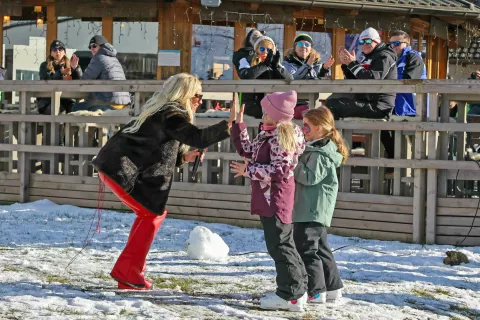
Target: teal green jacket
[316, 183]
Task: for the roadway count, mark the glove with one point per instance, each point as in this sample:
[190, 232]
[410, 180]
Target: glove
[276, 60]
[269, 58]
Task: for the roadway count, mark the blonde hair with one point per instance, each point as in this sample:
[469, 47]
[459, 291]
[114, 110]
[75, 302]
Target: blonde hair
[286, 136]
[179, 88]
[323, 117]
[256, 58]
[51, 61]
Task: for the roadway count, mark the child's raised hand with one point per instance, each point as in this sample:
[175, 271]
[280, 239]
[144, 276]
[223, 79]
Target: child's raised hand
[239, 168]
[240, 114]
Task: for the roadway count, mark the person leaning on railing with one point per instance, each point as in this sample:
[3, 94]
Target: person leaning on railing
[104, 65]
[303, 62]
[260, 59]
[58, 67]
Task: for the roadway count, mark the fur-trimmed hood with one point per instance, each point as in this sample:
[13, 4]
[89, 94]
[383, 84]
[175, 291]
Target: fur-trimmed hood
[292, 57]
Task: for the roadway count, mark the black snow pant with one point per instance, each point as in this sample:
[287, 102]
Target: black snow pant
[312, 245]
[343, 107]
[291, 275]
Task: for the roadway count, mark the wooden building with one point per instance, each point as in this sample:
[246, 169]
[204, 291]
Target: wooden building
[435, 26]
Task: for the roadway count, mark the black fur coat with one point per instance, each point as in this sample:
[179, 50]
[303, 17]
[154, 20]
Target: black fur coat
[142, 163]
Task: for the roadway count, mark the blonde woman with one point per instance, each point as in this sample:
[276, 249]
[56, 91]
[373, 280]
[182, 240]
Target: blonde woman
[264, 62]
[138, 162]
[272, 157]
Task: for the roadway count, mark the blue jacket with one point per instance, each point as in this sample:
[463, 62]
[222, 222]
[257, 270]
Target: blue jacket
[409, 66]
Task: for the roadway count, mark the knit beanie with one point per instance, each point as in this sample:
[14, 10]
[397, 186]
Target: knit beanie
[280, 105]
[98, 39]
[261, 39]
[57, 44]
[303, 37]
[370, 33]
[254, 34]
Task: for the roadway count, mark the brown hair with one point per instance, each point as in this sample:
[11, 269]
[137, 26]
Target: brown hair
[51, 60]
[401, 33]
[323, 117]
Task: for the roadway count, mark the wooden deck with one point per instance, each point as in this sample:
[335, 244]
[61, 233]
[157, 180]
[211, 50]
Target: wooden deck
[427, 200]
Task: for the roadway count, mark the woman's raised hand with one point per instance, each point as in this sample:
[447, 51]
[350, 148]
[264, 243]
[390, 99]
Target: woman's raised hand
[74, 62]
[330, 61]
[240, 114]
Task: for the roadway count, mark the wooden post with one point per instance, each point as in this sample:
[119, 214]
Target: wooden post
[107, 28]
[419, 176]
[431, 224]
[289, 32]
[1, 41]
[429, 57]
[51, 27]
[55, 131]
[24, 157]
[337, 42]
[461, 144]
[375, 171]
[443, 59]
[239, 34]
[175, 33]
[443, 142]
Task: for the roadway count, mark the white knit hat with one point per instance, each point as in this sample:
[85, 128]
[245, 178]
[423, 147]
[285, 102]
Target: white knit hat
[370, 33]
[264, 38]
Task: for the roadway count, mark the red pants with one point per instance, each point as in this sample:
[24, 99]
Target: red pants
[129, 268]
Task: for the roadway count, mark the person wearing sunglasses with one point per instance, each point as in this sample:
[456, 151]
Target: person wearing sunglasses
[409, 66]
[263, 62]
[58, 67]
[104, 65]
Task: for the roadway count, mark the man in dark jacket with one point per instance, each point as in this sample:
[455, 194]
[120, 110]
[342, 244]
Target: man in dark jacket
[378, 64]
[104, 65]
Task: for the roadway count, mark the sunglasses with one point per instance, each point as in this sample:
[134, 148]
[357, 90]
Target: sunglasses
[263, 49]
[57, 49]
[365, 41]
[198, 96]
[306, 128]
[94, 46]
[303, 44]
[396, 43]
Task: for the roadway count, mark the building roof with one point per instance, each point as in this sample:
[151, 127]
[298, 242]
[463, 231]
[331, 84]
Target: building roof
[464, 8]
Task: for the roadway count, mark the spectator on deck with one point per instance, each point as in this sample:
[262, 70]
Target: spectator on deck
[104, 65]
[58, 67]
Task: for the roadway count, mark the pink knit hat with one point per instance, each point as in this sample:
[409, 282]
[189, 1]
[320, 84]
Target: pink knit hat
[280, 105]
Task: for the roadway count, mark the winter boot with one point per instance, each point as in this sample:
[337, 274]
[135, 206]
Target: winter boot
[334, 295]
[130, 265]
[320, 297]
[273, 302]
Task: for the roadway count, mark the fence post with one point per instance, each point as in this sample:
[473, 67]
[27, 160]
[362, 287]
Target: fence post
[24, 157]
[419, 178]
[432, 173]
[443, 144]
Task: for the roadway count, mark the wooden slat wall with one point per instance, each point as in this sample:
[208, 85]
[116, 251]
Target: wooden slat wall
[368, 216]
[454, 219]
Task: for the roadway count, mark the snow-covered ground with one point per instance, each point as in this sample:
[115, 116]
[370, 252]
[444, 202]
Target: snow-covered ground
[37, 240]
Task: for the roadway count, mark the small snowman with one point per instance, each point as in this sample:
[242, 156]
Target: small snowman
[203, 244]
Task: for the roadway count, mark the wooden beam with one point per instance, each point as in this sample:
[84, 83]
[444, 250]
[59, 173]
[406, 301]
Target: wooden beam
[308, 13]
[107, 28]
[175, 33]
[386, 36]
[1, 41]
[51, 22]
[442, 59]
[429, 57]
[337, 42]
[239, 34]
[289, 31]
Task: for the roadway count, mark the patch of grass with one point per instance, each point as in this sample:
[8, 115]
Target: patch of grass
[465, 311]
[442, 291]
[5, 248]
[127, 313]
[55, 278]
[185, 284]
[10, 268]
[423, 293]
[102, 276]
[65, 311]
[455, 318]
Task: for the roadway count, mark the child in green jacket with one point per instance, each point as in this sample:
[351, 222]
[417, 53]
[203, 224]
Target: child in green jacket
[316, 187]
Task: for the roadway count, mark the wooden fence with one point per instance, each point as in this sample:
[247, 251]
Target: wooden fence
[431, 197]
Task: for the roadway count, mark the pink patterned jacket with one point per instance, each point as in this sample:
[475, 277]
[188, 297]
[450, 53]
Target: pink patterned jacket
[270, 169]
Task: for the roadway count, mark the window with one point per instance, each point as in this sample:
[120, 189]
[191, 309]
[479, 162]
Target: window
[212, 50]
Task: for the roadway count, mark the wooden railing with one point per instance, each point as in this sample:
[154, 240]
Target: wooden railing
[428, 198]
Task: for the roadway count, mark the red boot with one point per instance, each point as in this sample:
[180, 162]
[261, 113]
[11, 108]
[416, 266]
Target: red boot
[131, 264]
